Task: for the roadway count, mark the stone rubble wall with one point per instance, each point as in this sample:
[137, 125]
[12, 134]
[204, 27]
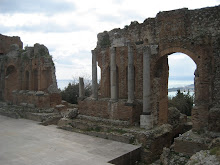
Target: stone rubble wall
[6, 42]
[110, 110]
[193, 32]
[34, 99]
[28, 71]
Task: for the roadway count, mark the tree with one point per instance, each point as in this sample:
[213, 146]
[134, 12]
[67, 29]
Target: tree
[183, 102]
[71, 92]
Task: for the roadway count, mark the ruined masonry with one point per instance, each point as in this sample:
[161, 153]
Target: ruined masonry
[134, 68]
[27, 75]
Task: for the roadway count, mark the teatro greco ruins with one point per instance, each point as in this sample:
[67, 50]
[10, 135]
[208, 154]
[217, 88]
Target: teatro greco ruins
[134, 68]
[27, 75]
[130, 103]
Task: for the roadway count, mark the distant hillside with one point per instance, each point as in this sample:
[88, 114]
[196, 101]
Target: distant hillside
[185, 88]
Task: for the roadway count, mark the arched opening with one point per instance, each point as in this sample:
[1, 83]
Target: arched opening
[181, 82]
[160, 80]
[26, 80]
[35, 80]
[46, 79]
[99, 80]
[11, 82]
[105, 82]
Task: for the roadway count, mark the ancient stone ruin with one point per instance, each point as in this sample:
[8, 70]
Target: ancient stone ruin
[27, 75]
[130, 103]
[134, 68]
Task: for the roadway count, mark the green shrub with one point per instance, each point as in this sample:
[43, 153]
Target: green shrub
[71, 92]
[183, 102]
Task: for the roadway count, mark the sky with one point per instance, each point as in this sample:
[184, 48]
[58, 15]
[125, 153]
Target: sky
[69, 28]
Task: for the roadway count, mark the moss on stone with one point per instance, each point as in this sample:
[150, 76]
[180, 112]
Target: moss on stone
[215, 151]
[105, 42]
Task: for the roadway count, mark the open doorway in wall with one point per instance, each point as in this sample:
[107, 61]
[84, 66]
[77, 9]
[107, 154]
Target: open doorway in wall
[27, 80]
[11, 82]
[181, 82]
[99, 80]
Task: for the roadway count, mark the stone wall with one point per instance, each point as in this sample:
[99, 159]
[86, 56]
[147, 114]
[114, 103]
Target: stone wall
[31, 98]
[6, 42]
[30, 69]
[193, 32]
[104, 108]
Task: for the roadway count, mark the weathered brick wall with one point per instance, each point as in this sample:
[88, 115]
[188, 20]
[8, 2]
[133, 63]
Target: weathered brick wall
[110, 110]
[6, 42]
[193, 32]
[29, 69]
[32, 98]
[38, 99]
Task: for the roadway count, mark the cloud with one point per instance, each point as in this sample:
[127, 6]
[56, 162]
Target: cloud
[124, 17]
[36, 6]
[69, 28]
[181, 65]
[45, 27]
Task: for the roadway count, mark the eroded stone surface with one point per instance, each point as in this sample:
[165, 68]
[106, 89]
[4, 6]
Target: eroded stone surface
[193, 32]
[24, 71]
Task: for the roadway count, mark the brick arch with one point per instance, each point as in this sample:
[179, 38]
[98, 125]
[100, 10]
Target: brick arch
[160, 86]
[172, 50]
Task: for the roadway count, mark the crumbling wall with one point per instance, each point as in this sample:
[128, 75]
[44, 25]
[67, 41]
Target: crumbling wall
[104, 108]
[193, 32]
[6, 42]
[25, 71]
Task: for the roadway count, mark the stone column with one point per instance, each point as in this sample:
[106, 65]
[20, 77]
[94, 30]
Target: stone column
[114, 95]
[146, 118]
[81, 88]
[94, 76]
[130, 74]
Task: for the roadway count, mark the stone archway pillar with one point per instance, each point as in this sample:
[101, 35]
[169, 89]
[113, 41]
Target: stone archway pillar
[81, 88]
[94, 76]
[146, 118]
[113, 73]
[130, 74]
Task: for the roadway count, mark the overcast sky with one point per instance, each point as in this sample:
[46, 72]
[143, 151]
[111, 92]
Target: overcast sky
[69, 28]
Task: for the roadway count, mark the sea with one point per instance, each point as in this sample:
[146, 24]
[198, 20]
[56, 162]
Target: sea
[172, 84]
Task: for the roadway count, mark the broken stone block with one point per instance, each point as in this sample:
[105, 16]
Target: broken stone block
[72, 113]
[173, 116]
[60, 108]
[24, 104]
[39, 93]
[64, 122]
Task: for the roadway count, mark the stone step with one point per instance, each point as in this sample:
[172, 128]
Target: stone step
[95, 129]
[11, 114]
[47, 117]
[40, 117]
[104, 121]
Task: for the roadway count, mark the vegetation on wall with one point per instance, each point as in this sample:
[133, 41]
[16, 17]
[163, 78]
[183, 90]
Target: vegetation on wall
[183, 102]
[105, 42]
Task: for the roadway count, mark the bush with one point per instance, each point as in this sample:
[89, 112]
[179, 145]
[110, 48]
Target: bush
[71, 92]
[183, 102]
